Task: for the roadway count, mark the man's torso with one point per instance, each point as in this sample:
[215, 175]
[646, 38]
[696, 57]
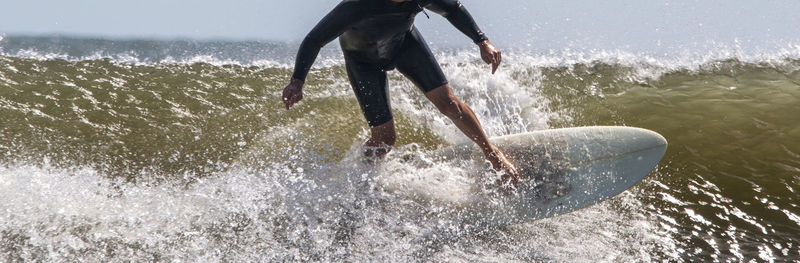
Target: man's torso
[379, 35]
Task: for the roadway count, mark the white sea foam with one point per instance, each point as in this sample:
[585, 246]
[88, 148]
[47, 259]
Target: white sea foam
[646, 64]
[283, 213]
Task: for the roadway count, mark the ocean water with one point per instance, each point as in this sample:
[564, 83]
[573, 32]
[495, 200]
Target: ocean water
[153, 150]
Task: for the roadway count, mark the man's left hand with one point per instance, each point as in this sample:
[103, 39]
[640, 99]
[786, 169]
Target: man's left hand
[490, 54]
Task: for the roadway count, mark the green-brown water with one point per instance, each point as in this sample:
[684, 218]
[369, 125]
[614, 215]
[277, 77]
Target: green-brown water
[108, 160]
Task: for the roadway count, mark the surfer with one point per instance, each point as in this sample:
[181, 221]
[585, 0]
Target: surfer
[379, 35]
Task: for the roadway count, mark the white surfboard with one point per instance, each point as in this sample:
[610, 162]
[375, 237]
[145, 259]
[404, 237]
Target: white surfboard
[562, 170]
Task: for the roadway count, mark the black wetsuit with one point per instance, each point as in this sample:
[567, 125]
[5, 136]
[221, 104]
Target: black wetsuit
[379, 35]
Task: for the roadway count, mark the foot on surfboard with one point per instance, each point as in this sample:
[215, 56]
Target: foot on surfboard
[510, 175]
[375, 154]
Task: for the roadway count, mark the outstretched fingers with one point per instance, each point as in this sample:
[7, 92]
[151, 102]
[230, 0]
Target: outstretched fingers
[491, 55]
[495, 62]
[498, 58]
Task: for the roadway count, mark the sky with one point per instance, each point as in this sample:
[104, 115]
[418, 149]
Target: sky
[545, 24]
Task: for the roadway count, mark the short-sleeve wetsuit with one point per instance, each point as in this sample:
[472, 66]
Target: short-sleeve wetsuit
[379, 35]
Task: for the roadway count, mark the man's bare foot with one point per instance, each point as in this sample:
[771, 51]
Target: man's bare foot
[375, 154]
[500, 163]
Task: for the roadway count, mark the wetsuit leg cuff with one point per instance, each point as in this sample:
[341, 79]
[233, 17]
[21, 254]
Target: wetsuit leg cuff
[433, 87]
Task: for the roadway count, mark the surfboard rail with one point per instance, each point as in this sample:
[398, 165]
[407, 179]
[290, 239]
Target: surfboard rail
[563, 170]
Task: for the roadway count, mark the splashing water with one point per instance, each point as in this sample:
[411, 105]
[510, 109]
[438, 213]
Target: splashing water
[165, 158]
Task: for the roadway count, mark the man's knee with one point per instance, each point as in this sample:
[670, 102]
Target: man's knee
[446, 102]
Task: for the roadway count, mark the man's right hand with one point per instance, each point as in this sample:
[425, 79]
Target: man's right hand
[293, 93]
[490, 54]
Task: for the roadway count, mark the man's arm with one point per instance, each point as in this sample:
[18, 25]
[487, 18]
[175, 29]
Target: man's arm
[463, 21]
[329, 28]
[458, 16]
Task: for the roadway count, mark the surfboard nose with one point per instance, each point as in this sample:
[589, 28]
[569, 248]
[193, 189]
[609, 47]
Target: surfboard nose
[650, 137]
[637, 139]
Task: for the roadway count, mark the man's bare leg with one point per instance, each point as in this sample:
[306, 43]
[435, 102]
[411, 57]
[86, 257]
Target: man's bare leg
[381, 140]
[463, 117]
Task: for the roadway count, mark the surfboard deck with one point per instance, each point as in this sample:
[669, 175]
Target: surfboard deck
[562, 170]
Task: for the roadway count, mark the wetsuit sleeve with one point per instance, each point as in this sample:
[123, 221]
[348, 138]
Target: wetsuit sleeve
[455, 12]
[329, 28]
